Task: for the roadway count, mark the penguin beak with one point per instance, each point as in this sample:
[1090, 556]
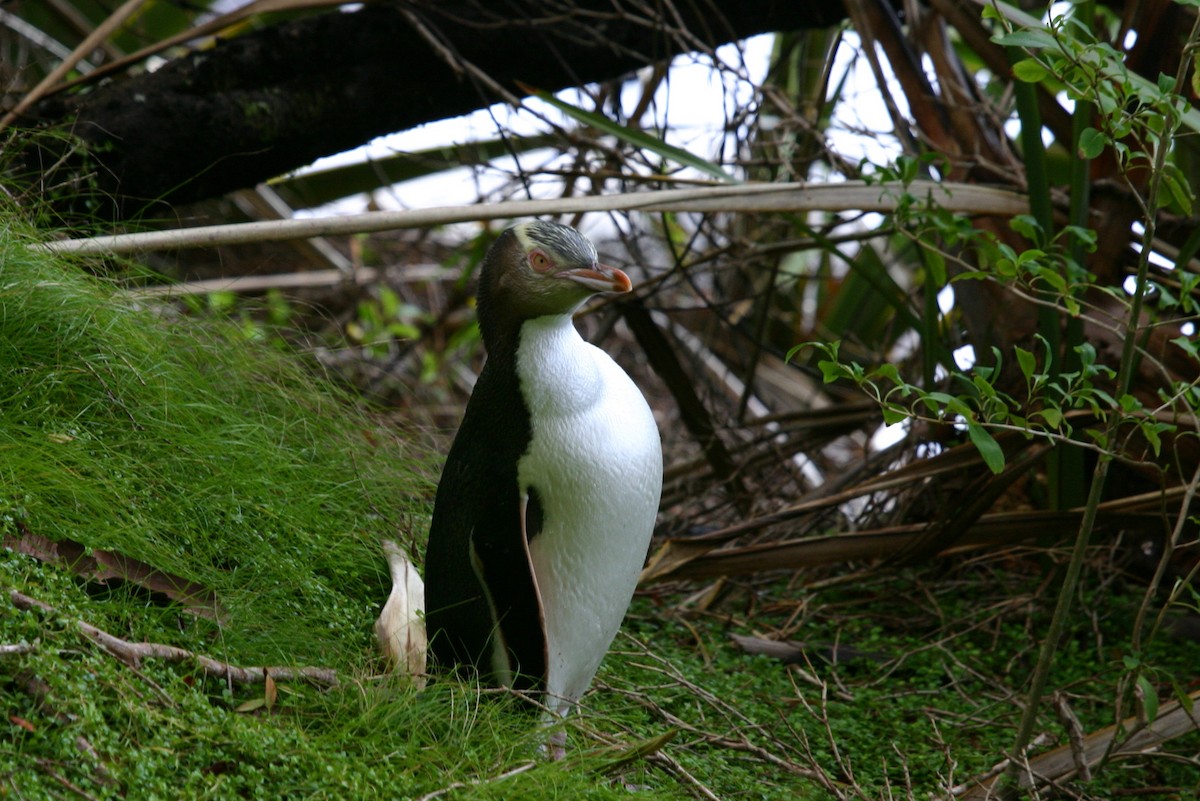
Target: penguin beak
[601, 278]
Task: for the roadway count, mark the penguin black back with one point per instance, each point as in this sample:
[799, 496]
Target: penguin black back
[476, 517]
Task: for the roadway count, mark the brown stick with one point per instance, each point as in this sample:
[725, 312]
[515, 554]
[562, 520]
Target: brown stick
[133, 652]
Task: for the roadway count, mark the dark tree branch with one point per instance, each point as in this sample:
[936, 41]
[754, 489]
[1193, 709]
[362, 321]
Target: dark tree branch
[261, 104]
[692, 411]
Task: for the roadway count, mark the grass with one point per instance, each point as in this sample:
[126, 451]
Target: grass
[186, 447]
[200, 452]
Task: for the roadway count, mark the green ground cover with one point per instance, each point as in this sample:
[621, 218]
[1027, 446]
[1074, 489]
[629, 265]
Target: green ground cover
[205, 455]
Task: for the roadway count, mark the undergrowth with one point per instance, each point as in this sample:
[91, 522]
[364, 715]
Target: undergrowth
[214, 458]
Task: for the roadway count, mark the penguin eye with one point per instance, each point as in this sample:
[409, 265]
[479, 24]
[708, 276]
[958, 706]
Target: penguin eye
[540, 262]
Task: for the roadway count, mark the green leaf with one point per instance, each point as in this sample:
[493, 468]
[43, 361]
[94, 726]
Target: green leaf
[1091, 143]
[1181, 695]
[980, 383]
[1029, 70]
[908, 168]
[1130, 404]
[1027, 362]
[1187, 345]
[831, 371]
[639, 750]
[829, 349]
[935, 263]
[1149, 698]
[1150, 432]
[989, 449]
[1029, 38]
[890, 372]
[634, 136]
[1153, 430]
[942, 402]
[1051, 415]
[1177, 188]
[1027, 226]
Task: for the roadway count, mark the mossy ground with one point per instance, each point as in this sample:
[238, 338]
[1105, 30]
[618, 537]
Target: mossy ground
[190, 448]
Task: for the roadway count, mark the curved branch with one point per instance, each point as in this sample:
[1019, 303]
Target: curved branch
[256, 106]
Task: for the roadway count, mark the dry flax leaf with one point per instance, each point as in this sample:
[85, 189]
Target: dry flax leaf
[790, 652]
[270, 692]
[1174, 720]
[103, 566]
[998, 528]
[400, 629]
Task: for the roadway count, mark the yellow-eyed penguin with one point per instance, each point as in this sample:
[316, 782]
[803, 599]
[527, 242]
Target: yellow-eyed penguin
[549, 494]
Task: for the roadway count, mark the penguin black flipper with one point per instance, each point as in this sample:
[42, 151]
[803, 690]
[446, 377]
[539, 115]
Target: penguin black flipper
[482, 607]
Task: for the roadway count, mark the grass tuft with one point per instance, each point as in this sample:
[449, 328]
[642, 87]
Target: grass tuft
[186, 447]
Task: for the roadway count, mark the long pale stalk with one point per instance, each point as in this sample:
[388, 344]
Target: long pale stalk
[793, 197]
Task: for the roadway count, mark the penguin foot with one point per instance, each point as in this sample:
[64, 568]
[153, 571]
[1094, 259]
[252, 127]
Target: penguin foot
[556, 745]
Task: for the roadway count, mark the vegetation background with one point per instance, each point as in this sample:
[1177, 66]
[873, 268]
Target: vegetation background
[916, 311]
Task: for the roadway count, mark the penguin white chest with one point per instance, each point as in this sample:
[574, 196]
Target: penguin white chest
[595, 463]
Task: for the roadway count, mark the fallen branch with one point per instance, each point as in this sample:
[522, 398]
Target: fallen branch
[133, 652]
[310, 279]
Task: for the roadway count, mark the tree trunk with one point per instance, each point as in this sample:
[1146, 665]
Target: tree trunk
[273, 100]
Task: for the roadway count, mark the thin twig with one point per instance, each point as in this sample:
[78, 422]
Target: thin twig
[1160, 570]
[47, 767]
[489, 780]
[90, 43]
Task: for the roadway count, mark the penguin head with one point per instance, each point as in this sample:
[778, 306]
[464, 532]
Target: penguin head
[541, 268]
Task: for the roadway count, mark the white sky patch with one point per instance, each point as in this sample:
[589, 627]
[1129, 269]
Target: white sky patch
[1156, 258]
[693, 108]
[886, 436]
[945, 299]
[862, 127]
[964, 357]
